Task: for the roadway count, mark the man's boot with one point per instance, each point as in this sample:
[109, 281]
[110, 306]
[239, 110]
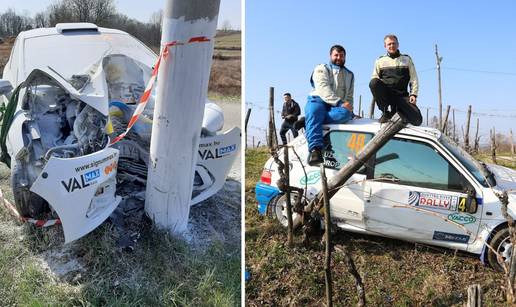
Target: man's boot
[386, 116]
[315, 158]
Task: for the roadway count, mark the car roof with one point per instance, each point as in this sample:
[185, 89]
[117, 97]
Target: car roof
[76, 27]
[57, 46]
[373, 126]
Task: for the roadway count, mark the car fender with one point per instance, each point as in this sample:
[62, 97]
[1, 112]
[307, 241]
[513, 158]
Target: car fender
[14, 141]
[216, 154]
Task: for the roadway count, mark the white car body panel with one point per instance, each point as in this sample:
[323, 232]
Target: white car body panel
[368, 206]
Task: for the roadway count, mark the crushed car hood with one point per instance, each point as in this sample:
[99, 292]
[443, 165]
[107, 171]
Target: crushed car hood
[93, 93]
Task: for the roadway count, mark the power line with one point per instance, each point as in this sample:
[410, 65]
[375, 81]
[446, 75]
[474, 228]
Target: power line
[481, 71]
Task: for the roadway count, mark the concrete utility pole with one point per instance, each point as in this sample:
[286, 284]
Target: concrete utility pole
[439, 59]
[181, 95]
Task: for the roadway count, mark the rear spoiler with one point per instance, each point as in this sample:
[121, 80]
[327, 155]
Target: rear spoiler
[76, 27]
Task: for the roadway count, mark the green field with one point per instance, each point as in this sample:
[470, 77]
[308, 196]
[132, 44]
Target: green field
[395, 273]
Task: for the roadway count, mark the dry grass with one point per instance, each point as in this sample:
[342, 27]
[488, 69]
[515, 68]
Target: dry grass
[225, 77]
[37, 270]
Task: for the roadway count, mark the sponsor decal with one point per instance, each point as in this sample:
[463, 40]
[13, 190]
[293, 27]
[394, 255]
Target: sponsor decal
[331, 164]
[450, 237]
[89, 176]
[310, 178]
[207, 154]
[462, 218]
[84, 181]
[329, 159]
[94, 163]
[432, 200]
[111, 167]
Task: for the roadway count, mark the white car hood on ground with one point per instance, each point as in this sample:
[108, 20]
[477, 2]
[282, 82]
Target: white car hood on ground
[506, 181]
[505, 177]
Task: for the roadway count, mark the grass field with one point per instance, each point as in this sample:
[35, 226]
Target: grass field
[37, 270]
[395, 273]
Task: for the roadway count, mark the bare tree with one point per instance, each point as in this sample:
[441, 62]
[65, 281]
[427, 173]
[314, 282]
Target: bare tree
[226, 26]
[41, 20]
[95, 11]
[11, 24]
[59, 12]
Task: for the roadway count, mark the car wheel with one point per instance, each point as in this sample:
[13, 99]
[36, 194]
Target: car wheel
[27, 203]
[280, 209]
[501, 243]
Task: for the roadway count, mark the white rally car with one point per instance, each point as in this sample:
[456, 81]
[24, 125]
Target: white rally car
[68, 91]
[419, 187]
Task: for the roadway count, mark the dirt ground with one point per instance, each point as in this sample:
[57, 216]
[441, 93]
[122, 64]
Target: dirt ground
[219, 217]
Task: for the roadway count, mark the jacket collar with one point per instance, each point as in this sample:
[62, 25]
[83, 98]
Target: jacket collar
[336, 67]
[394, 55]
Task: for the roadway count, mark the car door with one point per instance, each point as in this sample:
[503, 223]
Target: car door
[418, 195]
[347, 205]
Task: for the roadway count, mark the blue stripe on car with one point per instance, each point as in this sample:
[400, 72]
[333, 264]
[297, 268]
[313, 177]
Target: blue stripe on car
[264, 194]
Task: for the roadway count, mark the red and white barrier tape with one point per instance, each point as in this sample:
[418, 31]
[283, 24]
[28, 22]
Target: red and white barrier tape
[146, 94]
[14, 211]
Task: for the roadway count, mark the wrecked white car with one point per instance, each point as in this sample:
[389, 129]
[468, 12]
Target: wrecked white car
[68, 91]
[419, 187]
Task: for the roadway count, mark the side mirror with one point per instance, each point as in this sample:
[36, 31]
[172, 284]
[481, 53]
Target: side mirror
[5, 87]
[471, 205]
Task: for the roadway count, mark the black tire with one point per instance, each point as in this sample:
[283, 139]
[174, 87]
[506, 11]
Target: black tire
[502, 245]
[27, 203]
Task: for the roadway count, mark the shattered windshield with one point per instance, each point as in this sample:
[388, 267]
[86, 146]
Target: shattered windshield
[479, 171]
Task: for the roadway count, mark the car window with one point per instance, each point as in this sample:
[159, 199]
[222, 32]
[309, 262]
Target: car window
[340, 146]
[418, 164]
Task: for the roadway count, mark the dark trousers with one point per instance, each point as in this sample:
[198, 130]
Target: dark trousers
[385, 97]
[286, 126]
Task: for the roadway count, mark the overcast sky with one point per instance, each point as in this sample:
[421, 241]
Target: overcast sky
[140, 10]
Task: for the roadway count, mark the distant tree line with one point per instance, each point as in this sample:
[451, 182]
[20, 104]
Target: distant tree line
[103, 13]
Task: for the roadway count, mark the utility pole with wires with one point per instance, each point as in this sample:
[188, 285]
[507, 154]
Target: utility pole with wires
[439, 60]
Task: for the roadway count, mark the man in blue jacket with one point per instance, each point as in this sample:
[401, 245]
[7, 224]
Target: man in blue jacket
[329, 102]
